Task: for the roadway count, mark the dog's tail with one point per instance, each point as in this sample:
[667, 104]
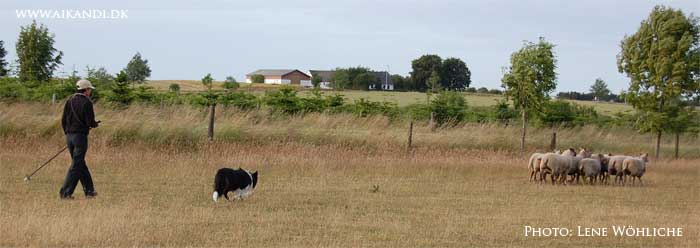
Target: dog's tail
[215, 196]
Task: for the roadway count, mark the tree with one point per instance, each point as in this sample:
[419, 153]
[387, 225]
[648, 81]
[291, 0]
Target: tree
[99, 77]
[434, 82]
[316, 80]
[363, 81]
[454, 74]
[138, 70]
[3, 63]
[448, 107]
[402, 83]
[230, 83]
[600, 90]
[422, 70]
[36, 55]
[121, 92]
[257, 79]
[529, 79]
[208, 82]
[658, 59]
[340, 79]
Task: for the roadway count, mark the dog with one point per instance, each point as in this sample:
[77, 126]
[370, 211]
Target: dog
[240, 181]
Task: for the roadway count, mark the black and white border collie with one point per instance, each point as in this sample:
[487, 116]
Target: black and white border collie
[240, 181]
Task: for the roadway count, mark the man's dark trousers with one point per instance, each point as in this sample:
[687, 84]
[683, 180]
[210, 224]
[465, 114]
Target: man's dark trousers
[78, 171]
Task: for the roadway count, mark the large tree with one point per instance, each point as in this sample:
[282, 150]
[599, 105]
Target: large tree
[423, 69]
[658, 59]
[3, 63]
[138, 70]
[529, 79]
[600, 90]
[36, 55]
[455, 74]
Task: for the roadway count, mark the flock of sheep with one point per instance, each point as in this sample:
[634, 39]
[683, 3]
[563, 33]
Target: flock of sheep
[593, 167]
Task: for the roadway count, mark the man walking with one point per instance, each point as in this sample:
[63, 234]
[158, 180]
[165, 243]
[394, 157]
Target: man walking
[78, 118]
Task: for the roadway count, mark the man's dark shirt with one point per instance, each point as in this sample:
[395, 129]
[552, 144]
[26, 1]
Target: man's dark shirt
[78, 116]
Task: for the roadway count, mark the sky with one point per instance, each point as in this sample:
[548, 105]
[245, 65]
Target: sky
[185, 40]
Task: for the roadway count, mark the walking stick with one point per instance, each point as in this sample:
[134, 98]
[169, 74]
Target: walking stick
[29, 177]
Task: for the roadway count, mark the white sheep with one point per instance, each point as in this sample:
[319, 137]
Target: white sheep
[591, 167]
[615, 167]
[558, 165]
[533, 165]
[634, 167]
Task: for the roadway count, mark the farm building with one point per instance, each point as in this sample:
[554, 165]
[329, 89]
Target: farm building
[383, 80]
[281, 76]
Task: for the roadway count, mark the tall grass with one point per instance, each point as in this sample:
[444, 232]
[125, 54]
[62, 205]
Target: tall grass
[185, 127]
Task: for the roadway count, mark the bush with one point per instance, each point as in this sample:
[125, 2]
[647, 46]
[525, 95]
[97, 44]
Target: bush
[257, 78]
[470, 90]
[448, 106]
[230, 83]
[174, 88]
[556, 113]
[503, 113]
[364, 108]
[483, 90]
[240, 100]
[284, 100]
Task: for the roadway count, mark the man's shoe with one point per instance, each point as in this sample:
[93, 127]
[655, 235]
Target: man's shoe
[69, 197]
[90, 194]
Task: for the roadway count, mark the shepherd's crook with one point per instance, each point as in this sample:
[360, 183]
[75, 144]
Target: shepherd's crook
[29, 177]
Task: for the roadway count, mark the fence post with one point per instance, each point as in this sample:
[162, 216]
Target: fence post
[53, 99]
[553, 143]
[211, 122]
[410, 135]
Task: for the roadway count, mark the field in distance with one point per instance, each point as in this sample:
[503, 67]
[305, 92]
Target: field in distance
[400, 98]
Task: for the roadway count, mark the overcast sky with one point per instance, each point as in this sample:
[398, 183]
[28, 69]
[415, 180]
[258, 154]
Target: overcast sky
[187, 39]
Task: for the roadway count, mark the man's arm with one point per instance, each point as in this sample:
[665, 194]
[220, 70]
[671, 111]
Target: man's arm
[64, 118]
[90, 115]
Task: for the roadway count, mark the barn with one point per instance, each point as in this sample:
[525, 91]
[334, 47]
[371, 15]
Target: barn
[281, 76]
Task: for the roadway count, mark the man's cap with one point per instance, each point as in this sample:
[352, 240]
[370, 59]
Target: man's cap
[84, 84]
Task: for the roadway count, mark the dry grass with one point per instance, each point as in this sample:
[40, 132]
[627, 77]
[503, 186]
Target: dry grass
[460, 187]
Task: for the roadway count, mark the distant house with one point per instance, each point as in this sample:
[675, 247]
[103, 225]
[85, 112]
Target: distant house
[383, 80]
[282, 76]
[325, 78]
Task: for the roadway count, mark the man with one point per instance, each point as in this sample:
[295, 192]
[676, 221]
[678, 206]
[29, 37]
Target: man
[78, 119]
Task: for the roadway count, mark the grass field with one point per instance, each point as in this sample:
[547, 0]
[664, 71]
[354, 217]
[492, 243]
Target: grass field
[459, 187]
[400, 98]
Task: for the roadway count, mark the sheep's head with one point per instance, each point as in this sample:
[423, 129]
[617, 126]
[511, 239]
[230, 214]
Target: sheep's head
[645, 157]
[584, 153]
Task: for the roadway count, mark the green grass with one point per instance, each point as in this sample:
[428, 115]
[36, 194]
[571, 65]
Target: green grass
[400, 98]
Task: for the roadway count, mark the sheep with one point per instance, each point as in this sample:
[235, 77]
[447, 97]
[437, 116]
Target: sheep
[591, 167]
[604, 161]
[634, 167]
[556, 164]
[615, 167]
[533, 165]
[573, 169]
